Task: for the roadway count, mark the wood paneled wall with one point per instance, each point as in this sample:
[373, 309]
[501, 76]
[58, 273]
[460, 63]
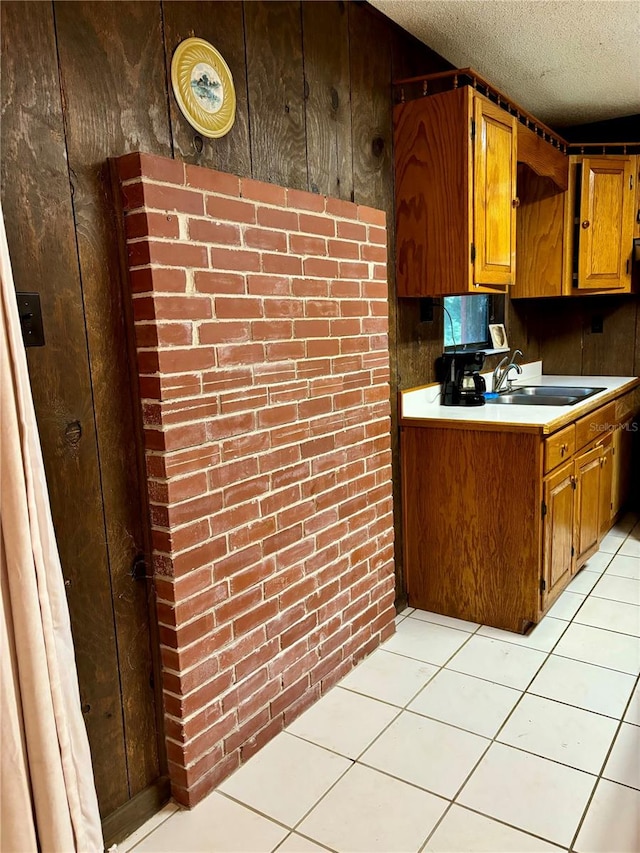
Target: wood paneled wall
[559, 330]
[85, 81]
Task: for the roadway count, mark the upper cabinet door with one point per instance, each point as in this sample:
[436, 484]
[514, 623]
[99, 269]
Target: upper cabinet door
[494, 194]
[606, 223]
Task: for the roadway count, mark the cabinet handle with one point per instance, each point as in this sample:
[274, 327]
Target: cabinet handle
[586, 223]
[515, 202]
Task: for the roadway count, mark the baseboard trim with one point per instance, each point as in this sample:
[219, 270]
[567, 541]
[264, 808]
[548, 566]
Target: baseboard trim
[132, 814]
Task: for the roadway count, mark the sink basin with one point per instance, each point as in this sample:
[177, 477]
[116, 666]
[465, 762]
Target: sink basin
[579, 392]
[544, 395]
[526, 400]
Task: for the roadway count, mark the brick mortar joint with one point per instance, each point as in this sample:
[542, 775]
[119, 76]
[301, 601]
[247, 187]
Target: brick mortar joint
[206, 192]
[374, 636]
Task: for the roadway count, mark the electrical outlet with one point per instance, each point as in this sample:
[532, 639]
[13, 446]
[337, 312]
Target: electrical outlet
[597, 324]
[31, 319]
[426, 309]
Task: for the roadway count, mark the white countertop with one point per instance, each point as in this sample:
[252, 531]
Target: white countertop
[424, 403]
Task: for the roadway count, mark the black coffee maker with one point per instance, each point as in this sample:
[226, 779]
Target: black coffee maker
[462, 384]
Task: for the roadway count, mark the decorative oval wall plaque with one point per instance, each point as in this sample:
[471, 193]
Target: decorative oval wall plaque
[203, 86]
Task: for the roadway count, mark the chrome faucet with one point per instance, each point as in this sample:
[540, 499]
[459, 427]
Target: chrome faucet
[501, 380]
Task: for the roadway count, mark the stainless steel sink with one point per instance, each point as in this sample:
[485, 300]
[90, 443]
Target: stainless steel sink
[544, 395]
[524, 400]
[579, 392]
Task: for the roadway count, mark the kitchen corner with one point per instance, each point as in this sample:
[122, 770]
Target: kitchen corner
[503, 505]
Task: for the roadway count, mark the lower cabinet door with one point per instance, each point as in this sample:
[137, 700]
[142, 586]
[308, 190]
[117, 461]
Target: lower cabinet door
[558, 529]
[606, 485]
[587, 518]
[621, 464]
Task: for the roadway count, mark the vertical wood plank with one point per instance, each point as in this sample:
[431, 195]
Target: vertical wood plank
[222, 25]
[372, 132]
[561, 329]
[273, 33]
[611, 353]
[410, 57]
[557, 324]
[37, 208]
[325, 28]
[521, 334]
[419, 343]
[371, 118]
[115, 49]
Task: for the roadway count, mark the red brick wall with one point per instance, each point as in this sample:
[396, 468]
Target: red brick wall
[261, 328]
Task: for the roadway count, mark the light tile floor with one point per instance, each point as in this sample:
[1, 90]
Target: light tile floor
[455, 737]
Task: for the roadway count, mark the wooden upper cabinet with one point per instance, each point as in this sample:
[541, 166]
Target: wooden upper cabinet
[579, 241]
[605, 235]
[455, 159]
[494, 182]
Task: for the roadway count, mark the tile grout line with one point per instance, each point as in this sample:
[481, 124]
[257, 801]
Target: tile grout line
[525, 691]
[401, 709]
[493, 739]
[506, 720]
[152, 830]
[519, 829]
[603, 766]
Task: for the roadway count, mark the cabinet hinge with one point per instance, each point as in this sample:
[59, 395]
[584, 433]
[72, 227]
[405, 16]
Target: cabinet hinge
[543, 584]
[574, 484]
[544, 509]
[638, 216]
[630, 182]
[473, 253]
[473, 128]
[573, 551]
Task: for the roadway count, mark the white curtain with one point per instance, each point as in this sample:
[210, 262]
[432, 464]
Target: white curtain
[47, 794]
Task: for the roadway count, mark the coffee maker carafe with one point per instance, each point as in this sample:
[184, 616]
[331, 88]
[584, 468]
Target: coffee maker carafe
[462, 383]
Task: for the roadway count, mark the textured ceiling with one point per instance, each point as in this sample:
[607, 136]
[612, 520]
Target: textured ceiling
[567, 62]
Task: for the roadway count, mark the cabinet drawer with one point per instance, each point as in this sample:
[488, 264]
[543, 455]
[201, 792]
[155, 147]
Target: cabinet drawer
[593, 426]
[559, 447]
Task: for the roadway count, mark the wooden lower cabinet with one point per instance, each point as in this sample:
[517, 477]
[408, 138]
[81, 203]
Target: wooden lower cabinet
[606, 485]
[559, 502]
[473, 524]
[496, 521]
[588, 466]
[621, 464]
